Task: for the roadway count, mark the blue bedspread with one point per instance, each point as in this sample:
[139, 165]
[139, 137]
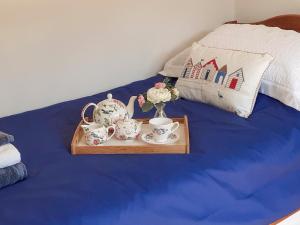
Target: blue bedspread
[239, 172]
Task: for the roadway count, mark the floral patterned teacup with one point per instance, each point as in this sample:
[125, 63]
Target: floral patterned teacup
[96, 134]
[162, 128]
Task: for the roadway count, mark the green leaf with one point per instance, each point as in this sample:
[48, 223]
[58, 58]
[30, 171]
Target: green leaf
[147, 107]
[173, 97]
[166, 80]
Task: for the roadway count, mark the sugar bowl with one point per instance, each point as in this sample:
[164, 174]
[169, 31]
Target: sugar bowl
[128, 129]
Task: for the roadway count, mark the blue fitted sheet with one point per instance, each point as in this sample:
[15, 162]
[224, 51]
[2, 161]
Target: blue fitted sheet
[239, 172]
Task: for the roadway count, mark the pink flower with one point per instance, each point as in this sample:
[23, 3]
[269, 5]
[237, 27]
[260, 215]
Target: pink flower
[141, 100]
[160, 85]
[96, 142]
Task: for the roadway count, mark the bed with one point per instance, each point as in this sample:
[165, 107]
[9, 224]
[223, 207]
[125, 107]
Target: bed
[239, 172]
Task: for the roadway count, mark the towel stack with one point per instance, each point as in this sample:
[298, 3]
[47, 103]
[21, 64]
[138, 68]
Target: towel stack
[12, 169]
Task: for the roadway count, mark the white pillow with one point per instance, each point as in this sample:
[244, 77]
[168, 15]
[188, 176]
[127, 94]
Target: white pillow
[224, 78]
[174, 66]
[282, 79]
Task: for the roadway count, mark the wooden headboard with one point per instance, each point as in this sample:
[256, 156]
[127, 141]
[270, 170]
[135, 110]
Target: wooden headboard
[286, 22]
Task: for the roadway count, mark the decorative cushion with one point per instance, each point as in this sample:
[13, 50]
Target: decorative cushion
[281, 80]
[224, 78]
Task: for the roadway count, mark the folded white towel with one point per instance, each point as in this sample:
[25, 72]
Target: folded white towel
[9, 156]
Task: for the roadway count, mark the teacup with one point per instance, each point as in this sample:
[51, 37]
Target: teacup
[162, 128]
[95, 134]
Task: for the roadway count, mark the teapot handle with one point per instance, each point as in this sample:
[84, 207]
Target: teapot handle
[83, 112]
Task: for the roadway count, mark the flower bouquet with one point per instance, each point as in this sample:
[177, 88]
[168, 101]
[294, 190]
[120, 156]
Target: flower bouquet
[158, 96]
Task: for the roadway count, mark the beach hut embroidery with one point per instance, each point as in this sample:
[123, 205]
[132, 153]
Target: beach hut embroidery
[209, 70]
[187, 69]
[235, 80]
[221, 75]
[196, 70]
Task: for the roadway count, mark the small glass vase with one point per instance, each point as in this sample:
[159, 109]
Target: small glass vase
[160, 110]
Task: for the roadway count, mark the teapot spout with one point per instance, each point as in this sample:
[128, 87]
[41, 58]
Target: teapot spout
[130, 106]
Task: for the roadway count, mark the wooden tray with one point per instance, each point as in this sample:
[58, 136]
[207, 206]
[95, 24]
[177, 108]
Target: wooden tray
[114, 146]
[285, 218]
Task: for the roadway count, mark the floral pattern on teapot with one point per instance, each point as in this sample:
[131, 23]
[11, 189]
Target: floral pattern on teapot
[109, 111]
[109, 114]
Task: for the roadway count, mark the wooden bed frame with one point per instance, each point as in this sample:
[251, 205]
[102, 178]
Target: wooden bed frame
[286, 22]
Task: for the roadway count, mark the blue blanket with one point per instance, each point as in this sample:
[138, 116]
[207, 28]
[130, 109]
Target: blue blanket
[239, 172]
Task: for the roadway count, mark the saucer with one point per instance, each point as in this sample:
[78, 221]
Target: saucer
[149, 138]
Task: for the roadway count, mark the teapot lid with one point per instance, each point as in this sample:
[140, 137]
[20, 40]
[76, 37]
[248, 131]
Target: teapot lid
[111, 101]
[109, 96]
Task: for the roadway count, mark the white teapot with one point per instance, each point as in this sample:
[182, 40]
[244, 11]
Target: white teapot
[109, 111]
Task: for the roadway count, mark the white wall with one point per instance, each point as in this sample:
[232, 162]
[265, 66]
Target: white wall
[56, 50]
[255, 10]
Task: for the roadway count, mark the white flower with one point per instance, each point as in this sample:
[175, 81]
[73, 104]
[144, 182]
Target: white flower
[155, 95]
